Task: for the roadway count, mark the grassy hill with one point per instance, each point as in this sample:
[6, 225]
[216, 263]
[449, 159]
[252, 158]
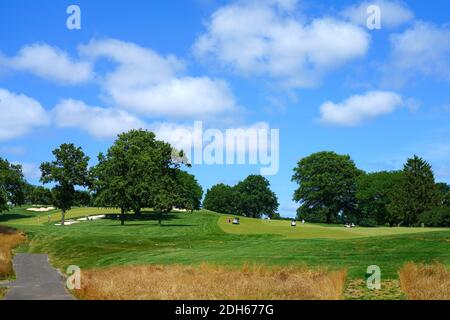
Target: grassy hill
[205, 236]
[311, 230]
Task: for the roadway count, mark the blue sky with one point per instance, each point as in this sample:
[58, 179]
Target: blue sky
[311, 69]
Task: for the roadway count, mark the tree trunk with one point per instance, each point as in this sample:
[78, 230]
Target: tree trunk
[159, 218]
[122, 217]
[328, 218]
[138, 211]
[63, 217]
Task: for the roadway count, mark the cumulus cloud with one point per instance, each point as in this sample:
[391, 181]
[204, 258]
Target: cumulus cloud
[359, 108]
[98, 122]
[19, 114]
[150, 84]
[49, 63]
[423, 49]
[393, 13]
[267, 38]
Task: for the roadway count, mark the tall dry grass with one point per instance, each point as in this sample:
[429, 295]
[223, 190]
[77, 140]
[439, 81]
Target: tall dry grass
[9, 238]
[425, 282]
[209, 282]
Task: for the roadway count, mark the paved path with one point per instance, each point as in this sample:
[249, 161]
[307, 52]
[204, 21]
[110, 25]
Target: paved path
[36, 279]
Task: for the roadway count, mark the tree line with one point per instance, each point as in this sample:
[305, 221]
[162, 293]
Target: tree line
[136, 172]
[251, 197]
[333, 190]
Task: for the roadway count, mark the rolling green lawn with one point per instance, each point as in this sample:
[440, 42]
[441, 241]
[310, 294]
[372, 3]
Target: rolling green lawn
[204, 236]
[311, 231]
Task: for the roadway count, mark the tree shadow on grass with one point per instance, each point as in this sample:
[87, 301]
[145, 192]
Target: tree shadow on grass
[7, 230]
[4, 217]
[177, 225]
[144, 216]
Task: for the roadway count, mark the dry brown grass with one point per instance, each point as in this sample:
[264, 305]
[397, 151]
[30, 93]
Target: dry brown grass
[207, 282]
[425, 282]
[9, 238]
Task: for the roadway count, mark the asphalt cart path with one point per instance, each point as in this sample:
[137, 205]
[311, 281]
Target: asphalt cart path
[36, 279]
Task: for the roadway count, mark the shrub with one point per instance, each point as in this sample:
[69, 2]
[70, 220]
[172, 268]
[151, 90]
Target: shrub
[436, 217]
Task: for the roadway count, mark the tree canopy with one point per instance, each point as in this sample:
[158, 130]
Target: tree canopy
[137, 171]
[374, 195]
[251, 197]
[221, 198]
[38, 195]
[255, 198]
[68, 170]
[327, 186]
[189, 191]
[12, 184]
[417, 192]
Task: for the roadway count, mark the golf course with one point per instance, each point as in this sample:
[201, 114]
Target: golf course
[205, 237]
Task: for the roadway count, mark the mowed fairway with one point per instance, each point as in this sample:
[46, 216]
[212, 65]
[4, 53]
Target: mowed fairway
[311, 231]
[205, 237]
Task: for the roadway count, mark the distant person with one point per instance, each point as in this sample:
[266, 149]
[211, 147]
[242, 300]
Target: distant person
[303, 221]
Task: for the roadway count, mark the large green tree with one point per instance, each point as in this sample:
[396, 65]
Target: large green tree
[40, 195]
[374, 195]
[82, 198]
[418, 191]
[446, 200]
[443, 193]
[137, 171]
[327, 186]
[221, 198]
[12, 182]
[438, 216]
[189, 191]
[255, 198]
[68, 170]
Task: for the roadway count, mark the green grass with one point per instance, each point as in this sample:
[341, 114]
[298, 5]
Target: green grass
[311, 231]
[204, 236]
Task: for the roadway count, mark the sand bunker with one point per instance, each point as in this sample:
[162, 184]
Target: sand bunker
[67, 223]
[92, 218]
[41, 209]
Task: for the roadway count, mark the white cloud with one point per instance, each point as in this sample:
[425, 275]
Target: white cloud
[98, 122]
[19, 114]
[424, 49]
[31, 171]
[150, 84]
[359, 108]
[49, 63]
[393, 13]
[255, 38]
